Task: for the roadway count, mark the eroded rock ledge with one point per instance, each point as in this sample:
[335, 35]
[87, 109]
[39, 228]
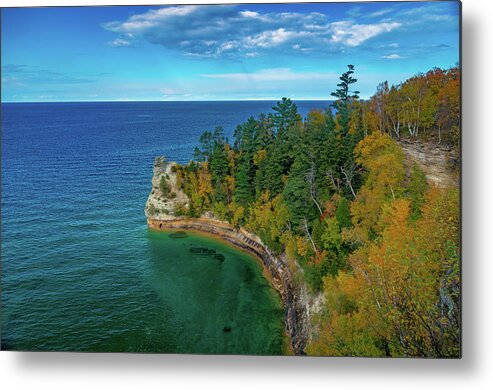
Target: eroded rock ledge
[436, 162]
[294, 298]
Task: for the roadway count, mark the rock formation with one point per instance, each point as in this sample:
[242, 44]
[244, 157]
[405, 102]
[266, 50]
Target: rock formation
[435, 161]
[166, 196]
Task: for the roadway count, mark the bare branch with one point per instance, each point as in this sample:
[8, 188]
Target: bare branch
[348, 175]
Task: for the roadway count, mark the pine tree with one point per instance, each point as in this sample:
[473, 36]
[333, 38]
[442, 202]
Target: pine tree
[244, 186]
[296, 194]
[344, 98]
[264, 135]
[286, 114]
[344, 94]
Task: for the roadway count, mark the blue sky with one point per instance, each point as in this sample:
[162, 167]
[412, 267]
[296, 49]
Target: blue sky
[248, 51]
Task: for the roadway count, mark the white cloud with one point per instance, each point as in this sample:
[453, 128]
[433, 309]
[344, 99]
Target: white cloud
[120, 42]
[355, 34]
[379, 13]
[392, 57]
[438, 18]
[212, 31]
[249, 14]
[274, 38]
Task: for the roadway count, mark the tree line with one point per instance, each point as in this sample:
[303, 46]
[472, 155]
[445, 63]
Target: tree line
[331, 194]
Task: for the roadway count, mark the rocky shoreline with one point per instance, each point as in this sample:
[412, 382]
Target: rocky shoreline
[294, 298]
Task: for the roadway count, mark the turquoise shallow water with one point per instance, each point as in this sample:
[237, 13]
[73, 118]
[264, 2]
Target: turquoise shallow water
[81, 271]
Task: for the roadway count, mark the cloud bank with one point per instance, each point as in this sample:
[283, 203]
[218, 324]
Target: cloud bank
[226, 31]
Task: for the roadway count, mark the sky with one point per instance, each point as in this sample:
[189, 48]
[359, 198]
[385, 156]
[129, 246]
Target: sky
[220, 52]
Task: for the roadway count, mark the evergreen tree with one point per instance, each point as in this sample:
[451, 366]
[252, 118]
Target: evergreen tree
[343, 215]
[245, 134]
[296, 194]
[343, 93]
[286, 114]
[218, 162]
[264, 135]
[344, 98]
[244, 186]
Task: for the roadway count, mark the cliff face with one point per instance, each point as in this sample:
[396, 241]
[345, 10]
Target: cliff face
[435, 161]
[165, 196]
[298, 305]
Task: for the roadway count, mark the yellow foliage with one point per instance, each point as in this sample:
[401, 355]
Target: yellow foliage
[301, 246]
[383, 161]
[315, 120]
[230, 185]
[238, 214]
[204, 181]
[259, 156]
[393, 302]
[231, 157]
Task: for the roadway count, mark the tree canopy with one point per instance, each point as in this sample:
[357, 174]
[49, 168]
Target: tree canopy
[332, 193]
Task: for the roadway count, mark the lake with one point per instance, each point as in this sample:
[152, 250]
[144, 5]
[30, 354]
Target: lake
[80, 269]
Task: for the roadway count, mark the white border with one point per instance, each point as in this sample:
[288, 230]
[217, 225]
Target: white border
[474, 371]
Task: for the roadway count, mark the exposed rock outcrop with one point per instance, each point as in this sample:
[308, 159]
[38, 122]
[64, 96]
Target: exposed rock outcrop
[166, 196]
[435, 161]
[295, 298]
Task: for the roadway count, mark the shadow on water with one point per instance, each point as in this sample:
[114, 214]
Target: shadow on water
[179, 234]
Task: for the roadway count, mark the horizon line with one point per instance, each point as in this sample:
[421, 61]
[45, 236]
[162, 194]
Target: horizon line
[163, 101]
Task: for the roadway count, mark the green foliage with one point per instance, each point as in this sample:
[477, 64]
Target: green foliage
[345, 97]
[296, 192]
[220, 211]
[343, 214]
[343, 93]
[332, 194]
[333, 245]
[314, 274]
[244, 180]
[286, 115]
[164, 186]
[416, 190]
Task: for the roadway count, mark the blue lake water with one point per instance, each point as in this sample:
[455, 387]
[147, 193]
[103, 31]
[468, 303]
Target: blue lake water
[81, 271]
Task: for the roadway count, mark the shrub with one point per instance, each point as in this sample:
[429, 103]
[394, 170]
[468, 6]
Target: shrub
[164, 186]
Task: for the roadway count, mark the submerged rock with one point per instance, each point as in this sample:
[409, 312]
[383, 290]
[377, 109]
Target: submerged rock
[179, 234]
[203, 251]
[208, 252]
[227, 329]
[219, 257]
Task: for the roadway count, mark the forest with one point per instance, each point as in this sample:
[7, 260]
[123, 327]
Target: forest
[331, 194]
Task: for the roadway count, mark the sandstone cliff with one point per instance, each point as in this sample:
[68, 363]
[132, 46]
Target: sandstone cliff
[436, 161]
[166, 196]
